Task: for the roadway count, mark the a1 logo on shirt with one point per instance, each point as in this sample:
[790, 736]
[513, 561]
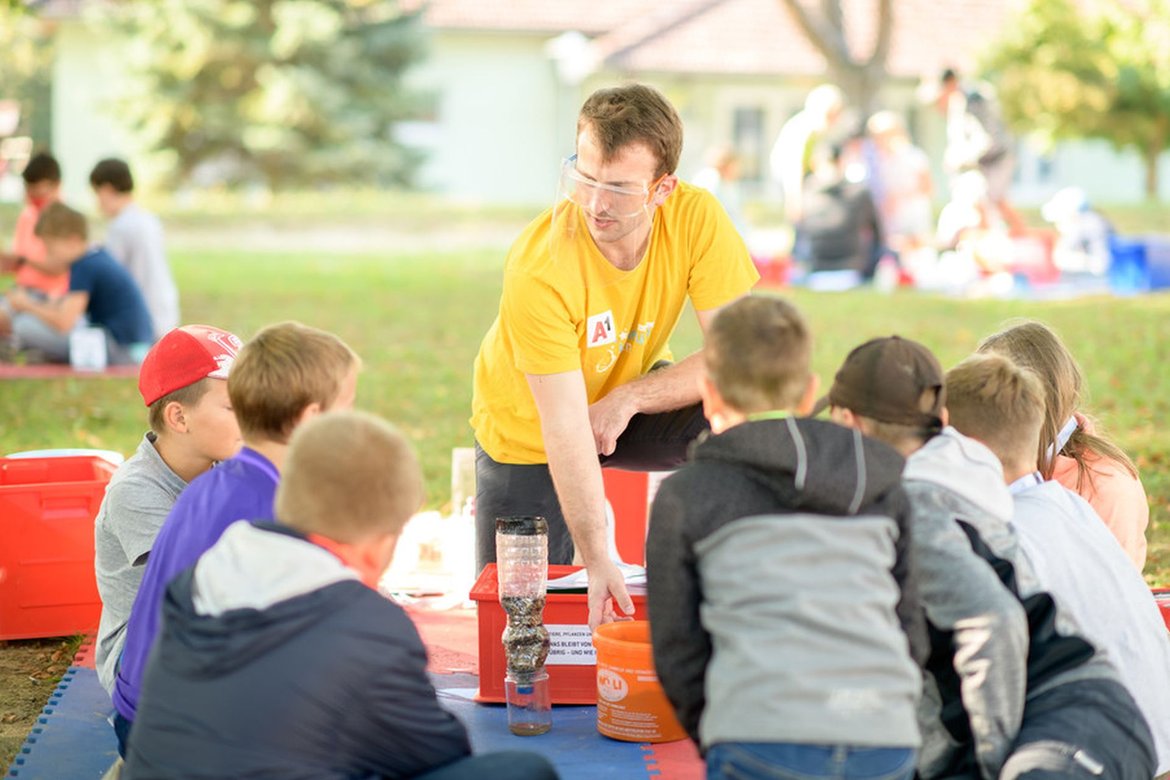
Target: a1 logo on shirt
[599, 330]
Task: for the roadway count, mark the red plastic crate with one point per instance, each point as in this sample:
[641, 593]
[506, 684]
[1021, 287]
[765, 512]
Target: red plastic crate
[566, 616]
[47, 509]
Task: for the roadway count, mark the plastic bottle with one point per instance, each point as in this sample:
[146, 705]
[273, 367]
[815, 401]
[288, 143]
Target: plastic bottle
[522, 569]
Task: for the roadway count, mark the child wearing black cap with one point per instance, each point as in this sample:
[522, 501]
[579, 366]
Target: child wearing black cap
[759, 548]
[1008, 670]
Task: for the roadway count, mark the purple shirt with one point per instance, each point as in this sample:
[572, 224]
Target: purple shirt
[242, 488]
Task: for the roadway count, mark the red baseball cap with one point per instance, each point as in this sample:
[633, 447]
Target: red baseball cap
[184, 356]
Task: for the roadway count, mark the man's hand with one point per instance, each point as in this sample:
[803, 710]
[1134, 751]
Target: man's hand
[609, 417]
[606, 586]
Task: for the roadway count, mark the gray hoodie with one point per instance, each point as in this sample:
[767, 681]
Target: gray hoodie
[997, 638]
[781, 589]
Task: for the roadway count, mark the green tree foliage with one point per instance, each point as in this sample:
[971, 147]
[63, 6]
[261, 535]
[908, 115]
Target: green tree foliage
[287, 92]
[26, 67]
[1067, 69]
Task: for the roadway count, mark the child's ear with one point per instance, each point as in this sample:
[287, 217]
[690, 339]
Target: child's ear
[308, 413]
[712, 401]
[175, 417]
[374, 558]
[809, 399]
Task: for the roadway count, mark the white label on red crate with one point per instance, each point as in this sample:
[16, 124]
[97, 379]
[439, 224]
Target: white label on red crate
[570, 645]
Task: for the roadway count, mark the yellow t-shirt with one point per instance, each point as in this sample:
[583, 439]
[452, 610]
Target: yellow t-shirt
[569, 308]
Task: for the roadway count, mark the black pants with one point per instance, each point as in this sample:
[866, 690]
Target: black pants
[1087, 729]
[651, 442]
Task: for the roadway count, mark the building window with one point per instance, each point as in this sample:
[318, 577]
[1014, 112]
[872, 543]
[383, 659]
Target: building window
[747, 135]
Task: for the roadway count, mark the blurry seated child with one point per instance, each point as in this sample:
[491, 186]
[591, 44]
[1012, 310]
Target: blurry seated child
[776, 529]
[1011, 685]
[839, 226]
[42, 186]
[101, 293]
[277, 655]
[1082, 242]
[183, 382]
[1072, 451]
[1072, 553]
[285, 375]
[135, 239]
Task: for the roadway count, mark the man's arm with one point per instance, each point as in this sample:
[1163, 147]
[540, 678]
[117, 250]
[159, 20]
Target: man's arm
[663, 390]
[61, 314]
[562, 404]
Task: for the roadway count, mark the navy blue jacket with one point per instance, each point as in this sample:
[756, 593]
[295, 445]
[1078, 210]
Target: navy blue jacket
[328, 682]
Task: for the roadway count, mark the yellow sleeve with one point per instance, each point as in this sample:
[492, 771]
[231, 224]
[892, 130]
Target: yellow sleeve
[721, 268]
[538, 326]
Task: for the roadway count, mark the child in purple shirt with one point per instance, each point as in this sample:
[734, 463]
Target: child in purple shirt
[284, 376]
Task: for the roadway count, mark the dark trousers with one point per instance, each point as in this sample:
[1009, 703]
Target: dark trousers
[508, 765]
[651, 442]
[1087, 729]
[122, 732]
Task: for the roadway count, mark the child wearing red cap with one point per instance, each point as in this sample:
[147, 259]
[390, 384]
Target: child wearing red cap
[287, 374]
[183, 382]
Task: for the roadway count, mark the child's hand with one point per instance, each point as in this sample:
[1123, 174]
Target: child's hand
[18, 299]
[9, 262]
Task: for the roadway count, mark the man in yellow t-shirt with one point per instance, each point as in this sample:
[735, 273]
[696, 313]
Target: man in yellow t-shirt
[565, 379]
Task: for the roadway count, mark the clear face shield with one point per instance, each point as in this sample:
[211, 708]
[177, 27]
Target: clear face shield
[585, 204]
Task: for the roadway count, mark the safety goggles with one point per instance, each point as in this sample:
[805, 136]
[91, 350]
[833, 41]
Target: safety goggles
[604, 200]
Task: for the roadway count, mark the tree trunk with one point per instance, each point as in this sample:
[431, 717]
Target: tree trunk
[1151, 157]
[860, 79]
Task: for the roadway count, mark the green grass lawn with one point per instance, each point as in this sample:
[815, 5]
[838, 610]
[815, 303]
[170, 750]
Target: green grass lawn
[416, 320]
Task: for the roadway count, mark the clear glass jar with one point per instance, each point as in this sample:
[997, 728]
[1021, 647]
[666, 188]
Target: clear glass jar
[529, 704]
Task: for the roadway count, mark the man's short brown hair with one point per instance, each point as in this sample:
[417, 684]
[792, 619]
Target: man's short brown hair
[282, 370]
[633, 114]
[60, 221]
[349, 476]
[1001, 404]
[185, 396]
[757, 352]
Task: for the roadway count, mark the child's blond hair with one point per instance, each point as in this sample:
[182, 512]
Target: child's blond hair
[281, 371]
[60, 221]
[1036, 346]
[757, 353]
[349, 476]
[1001, 404]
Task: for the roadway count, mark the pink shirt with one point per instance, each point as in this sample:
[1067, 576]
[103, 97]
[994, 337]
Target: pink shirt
[1116, 495]
[26, 244]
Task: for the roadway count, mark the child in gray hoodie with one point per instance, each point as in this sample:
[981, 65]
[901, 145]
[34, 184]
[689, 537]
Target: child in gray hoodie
[1012, 689]
[782, 606]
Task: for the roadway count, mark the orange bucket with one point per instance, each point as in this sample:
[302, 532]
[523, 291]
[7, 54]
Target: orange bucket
[631, 705]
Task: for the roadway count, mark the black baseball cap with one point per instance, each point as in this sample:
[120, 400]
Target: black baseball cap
[890, 379]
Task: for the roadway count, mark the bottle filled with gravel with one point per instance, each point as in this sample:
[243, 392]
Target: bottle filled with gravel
[522, 567]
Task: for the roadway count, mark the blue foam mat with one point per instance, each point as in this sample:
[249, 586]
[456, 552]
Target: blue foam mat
[573, 745]
[72, 739]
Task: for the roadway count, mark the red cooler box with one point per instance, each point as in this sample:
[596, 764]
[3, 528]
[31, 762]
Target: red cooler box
[47, 509]
[572, 662]
[1162, 596]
